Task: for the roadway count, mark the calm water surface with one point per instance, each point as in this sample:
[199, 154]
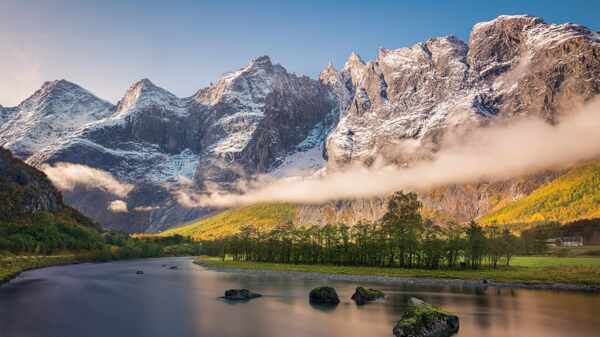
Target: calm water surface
[111, 300]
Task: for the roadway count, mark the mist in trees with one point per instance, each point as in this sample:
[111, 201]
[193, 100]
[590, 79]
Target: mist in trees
[402, 238]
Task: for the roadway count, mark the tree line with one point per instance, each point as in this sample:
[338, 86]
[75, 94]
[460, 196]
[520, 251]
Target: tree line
[47, 233]
[401, 238]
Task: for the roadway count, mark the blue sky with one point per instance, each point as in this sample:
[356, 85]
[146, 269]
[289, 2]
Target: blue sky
[184, 45]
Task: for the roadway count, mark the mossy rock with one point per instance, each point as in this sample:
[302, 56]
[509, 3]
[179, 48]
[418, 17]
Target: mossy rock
[240, 295]
[363, 295]
[324, 295]
[425, 320]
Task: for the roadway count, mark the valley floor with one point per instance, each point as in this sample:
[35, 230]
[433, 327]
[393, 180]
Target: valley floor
[581, 273]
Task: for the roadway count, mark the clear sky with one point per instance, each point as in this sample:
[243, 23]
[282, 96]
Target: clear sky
[184, 45]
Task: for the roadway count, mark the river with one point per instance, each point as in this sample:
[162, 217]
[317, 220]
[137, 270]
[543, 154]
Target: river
[110, 299]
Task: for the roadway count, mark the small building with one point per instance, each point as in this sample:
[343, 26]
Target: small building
[565, 241]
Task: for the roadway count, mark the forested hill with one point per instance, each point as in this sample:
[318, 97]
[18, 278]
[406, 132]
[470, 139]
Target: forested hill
[24, 190]
[33, 217]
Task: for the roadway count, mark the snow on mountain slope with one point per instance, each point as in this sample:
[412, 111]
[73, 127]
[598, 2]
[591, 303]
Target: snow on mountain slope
[144, 94]
[243, 93]
[247, 123]
[50, 116]
[408, 98]
[144, 139]
[402, 94]
[257, 116]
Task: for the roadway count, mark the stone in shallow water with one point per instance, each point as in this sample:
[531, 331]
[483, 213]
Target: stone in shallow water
[425, 320]
[362, 295]
[240, 295]
[324, 295]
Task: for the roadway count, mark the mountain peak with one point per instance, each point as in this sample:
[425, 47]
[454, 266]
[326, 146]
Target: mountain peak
[144, 83]
[263, 61]
[61, 84]
[329, 68]
[354, 59]
[329, 74]
[145, 93]
[57, 91]
[520, 20]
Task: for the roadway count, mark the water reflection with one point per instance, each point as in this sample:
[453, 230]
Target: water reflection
[111, 300]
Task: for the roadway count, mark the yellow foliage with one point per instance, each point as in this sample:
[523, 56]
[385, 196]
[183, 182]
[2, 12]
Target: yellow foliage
[572, 196]
[263, 216]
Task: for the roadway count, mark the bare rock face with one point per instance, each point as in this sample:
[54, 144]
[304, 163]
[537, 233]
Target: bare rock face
[471, 201]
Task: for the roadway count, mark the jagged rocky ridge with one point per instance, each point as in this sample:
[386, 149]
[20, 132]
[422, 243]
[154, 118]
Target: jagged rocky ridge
[262, 119]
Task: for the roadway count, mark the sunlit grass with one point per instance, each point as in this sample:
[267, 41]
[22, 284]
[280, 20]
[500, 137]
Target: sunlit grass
[572, 196]
[263, 216]
[11, 265]
[531, 270]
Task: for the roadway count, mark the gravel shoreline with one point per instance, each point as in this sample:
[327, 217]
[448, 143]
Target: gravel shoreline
[426, 281]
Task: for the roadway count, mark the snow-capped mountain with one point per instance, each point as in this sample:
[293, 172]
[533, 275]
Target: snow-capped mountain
[263, 119]
[511, 65]
[49, 117]
[248, 123]
[257, 116]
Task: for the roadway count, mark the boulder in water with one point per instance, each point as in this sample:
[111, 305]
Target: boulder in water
[425, 320]
[363, 295]
[324, 295]
[240, 295]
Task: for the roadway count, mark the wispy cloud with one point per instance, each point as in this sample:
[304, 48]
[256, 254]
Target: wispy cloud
[118, 206]
[67, 176]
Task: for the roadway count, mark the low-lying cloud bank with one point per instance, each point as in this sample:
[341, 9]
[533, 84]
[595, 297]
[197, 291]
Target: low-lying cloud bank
[498, 152]
[487, 154]
[67, 177]
[118, 206]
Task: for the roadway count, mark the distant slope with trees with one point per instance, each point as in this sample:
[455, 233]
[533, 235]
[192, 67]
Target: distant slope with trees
[264, 216]
[572, 196]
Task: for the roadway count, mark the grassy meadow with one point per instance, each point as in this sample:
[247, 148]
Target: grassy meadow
[11, 265]
[529, 270]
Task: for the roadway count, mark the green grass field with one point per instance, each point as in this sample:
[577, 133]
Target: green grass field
[530, 270]
[550, 261]
[11, 265]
